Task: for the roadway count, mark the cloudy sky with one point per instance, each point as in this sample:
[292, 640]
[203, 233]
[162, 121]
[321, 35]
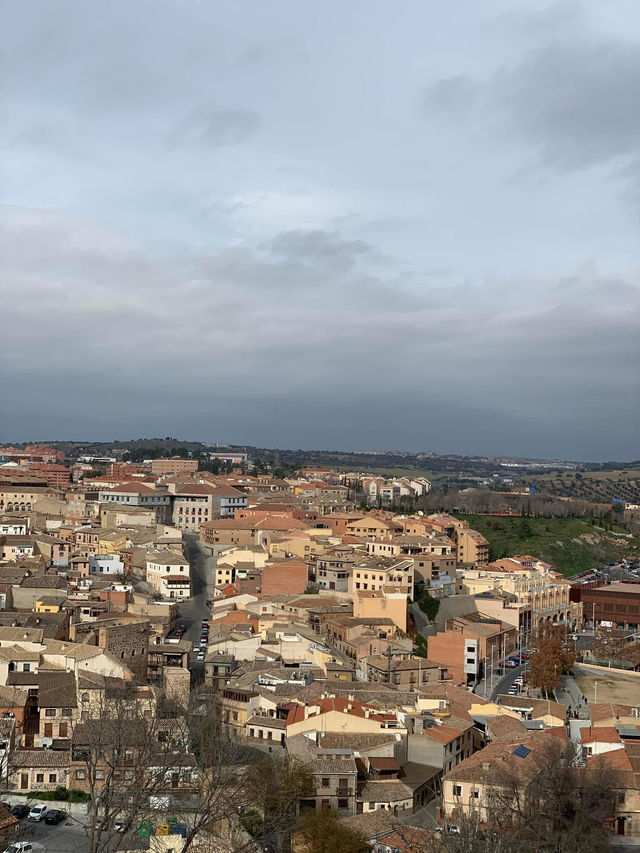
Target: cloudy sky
[334, 225]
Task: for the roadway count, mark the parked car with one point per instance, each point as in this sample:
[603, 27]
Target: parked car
[119, 824]
[454, 829]
[37, 813]
[200, 655]
[20, 847]
[196, 648]
[208, 602]
[20, 811]
[55, 816]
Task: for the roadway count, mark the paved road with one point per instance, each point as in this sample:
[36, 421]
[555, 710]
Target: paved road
[53, 839]
[499, 684]
[193, 611]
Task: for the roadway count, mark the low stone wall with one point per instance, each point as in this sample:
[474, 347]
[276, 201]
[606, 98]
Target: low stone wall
[78, 811]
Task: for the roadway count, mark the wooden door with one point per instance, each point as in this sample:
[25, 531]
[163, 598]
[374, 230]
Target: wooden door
[48, 729]
[24, 781]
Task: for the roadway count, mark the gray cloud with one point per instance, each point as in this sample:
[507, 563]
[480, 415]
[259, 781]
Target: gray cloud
[210, 211]
[454, 96]
[355, 334]
[571, 100]
[576, 104]
[216, 127]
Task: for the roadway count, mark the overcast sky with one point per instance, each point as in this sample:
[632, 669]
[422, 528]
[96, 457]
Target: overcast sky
[354, 225]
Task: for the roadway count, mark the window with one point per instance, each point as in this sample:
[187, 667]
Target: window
[99, 774]
[80, 774]
[50, 712]
[457, 790]
[343, 804]
[26, 667]
[53, 777]
[325, 781]
[475, 794]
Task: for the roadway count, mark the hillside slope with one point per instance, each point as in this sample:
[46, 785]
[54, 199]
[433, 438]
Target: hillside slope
[570, 544]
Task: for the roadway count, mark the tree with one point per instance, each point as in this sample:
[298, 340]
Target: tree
[560, 807]
[324, 833]
[429, 605]
[143, 759]
[555, 656]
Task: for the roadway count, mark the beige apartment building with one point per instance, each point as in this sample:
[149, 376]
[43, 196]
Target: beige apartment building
[389, 602]
[473, 548]
[533, 583]
[374, 573]
[175, 465]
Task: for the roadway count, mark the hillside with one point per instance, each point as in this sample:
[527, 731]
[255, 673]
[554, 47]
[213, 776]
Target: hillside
[593, 486]
[570, 544]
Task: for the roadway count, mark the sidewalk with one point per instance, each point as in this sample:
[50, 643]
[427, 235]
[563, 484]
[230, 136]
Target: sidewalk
[570, 695]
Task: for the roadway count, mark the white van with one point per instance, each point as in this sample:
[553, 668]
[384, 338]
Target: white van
[37, 813]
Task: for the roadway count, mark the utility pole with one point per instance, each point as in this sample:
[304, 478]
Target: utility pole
[388, 664]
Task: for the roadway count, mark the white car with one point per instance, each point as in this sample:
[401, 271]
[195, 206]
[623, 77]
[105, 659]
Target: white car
[200, 656]
[196, 648]
[20, 847]
[37, 813]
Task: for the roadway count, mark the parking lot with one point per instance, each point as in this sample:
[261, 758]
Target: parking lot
[63, 838]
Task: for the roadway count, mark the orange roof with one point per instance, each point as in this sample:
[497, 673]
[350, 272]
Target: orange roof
[335, 703]
[444, 734]
[600, 734]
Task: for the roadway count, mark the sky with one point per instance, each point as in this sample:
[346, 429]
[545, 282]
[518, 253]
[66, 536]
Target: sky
[336, 225]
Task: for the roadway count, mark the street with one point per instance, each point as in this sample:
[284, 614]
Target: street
[195, 609]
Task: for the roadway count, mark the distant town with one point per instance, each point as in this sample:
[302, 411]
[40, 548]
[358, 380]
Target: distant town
[209, 647]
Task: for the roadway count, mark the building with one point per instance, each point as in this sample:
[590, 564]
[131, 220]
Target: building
[288, 576]
[494, 773]
[169, 574]
[332, 570]
[534, 583]
[405, 672]
[389, 602]
[473, 548]
[139, 494]
[374, 573]
[196, 503]
[470, 645]
[174, 465]
[611, 606]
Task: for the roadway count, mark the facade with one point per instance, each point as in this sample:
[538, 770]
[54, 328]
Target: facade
[467, 648]
[174, 465]
[374, 573]
[139, 494]
[168, 574]
[612, 606]
[389, 602]
[473, 548]
[533, 583]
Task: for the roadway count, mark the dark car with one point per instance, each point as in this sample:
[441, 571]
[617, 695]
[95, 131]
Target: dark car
[20, 811]
[55, 816]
